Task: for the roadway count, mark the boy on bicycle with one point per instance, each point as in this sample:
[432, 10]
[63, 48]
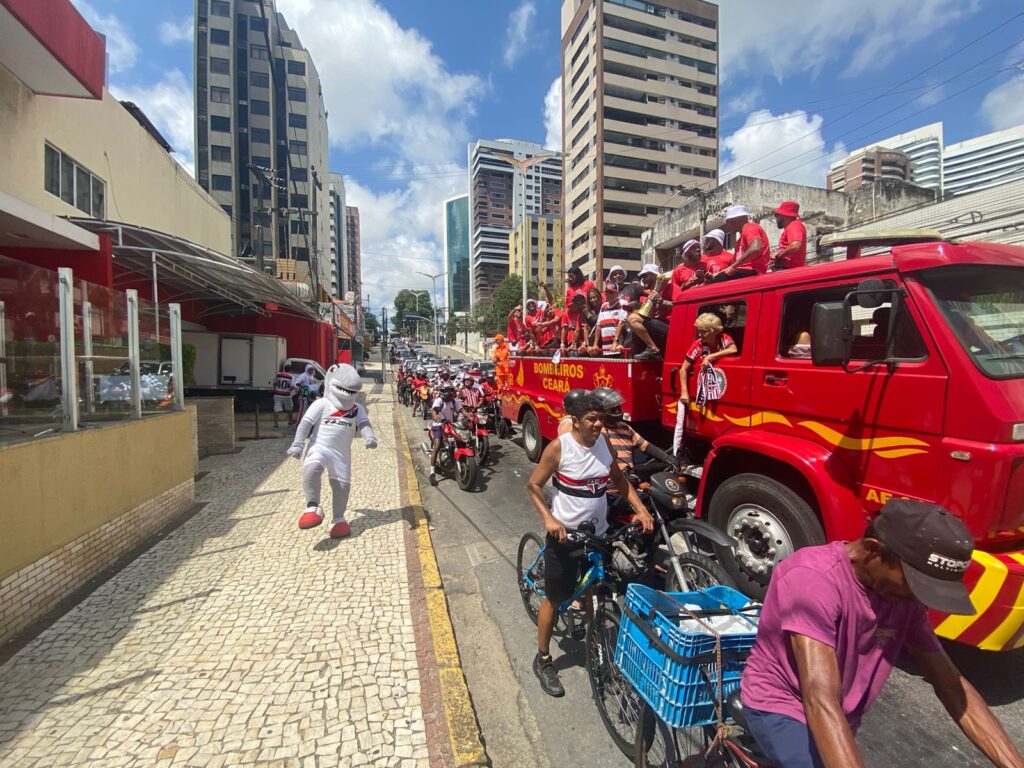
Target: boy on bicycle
[834, 622]
[581, 466]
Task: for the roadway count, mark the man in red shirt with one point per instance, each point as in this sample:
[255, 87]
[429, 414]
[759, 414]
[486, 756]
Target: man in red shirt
[574, 326]
[752, 253]
[574, 277]
[691, 272]
[716, 258]
[545, 329]
[792, 250]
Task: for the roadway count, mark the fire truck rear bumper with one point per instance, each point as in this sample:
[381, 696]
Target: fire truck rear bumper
[996, 583]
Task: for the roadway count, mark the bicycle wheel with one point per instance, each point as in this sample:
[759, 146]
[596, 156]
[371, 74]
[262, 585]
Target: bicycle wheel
[530, 570]
[617, 700]
[659, 745]
[700, 572]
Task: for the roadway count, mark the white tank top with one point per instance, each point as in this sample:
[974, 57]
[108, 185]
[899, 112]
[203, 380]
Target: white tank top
[580, 484]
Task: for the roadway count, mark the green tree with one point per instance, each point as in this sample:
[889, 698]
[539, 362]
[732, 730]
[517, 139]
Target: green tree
[507, 294]
[406, 303]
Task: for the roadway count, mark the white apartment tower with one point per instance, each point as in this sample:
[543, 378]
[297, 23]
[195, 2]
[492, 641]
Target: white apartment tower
[639, 120]
[336, 234]
[985, 161]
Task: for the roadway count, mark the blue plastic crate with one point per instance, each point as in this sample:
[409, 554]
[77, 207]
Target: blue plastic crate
[674, 682]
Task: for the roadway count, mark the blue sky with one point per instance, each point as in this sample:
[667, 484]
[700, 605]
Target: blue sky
[409, 82]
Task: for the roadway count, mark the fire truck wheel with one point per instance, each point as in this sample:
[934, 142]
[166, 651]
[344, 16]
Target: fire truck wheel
[769, 522]
[533, 442]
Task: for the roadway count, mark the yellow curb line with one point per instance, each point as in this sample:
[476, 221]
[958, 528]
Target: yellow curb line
[463, 731]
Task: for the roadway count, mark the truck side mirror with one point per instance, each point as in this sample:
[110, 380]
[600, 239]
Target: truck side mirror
[831, 333]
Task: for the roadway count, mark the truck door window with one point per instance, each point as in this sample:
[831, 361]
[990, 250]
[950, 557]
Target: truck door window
[733, 315]
[870, 327]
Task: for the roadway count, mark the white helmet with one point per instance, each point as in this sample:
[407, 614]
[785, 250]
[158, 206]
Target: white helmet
[341, 384]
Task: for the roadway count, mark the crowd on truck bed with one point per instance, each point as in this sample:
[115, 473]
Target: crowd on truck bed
[630, 318]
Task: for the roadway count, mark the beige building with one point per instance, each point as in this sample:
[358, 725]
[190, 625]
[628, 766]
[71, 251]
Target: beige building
[639, 120]
[83, 157]
[545, 248]
[869, 166]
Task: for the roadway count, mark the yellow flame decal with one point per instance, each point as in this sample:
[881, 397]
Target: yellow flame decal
[759, 418]
[876, 444]
[898, 453]
[519, 375]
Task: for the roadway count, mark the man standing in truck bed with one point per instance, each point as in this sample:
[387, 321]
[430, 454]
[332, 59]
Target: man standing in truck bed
[792, 251]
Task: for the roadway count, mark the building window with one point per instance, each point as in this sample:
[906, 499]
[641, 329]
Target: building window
[296, 94]
[220, 123]
[259, 79]
[227, 209]
[296, 67]
[300, 174]
[300, 254]
[260, 135]
[257, 24]
[220, 95]
[300, 201]
[220, 37]
[259, 52]
[75, 185]
[221, 183]
[297, 147]
[220, 8]
[220, 66]
[259, 107]
[296, 121]
[262, 162]
[299, 227]
[220, 154]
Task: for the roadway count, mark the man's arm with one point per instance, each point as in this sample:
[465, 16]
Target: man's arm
[715, 356]
[967, 708]
[752, 250]
[820, 690]
[547, 293]
[628, 492]
[546, 467]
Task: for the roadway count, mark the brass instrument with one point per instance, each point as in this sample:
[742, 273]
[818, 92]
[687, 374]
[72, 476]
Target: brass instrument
[648, 306]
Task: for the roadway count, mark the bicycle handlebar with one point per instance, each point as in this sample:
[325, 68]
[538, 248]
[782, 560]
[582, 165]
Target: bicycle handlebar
[580, 536]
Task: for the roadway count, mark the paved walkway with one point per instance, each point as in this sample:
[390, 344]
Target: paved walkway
[238, 639]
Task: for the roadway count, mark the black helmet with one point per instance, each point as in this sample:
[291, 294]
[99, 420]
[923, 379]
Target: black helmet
[444, 374]
[447, 393]
[572, 396]
[609, 398]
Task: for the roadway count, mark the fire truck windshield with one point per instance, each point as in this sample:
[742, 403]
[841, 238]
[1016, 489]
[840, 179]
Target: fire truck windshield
[984, 305]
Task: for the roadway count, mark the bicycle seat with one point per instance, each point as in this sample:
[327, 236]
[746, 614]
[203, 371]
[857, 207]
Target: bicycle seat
[734, 707]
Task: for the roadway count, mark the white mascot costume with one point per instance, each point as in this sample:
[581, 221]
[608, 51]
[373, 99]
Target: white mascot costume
[332, 420]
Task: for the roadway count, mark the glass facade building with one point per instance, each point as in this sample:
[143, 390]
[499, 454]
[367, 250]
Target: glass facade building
[456, 253]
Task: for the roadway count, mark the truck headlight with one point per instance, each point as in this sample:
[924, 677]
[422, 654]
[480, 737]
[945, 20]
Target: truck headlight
[1018, 431]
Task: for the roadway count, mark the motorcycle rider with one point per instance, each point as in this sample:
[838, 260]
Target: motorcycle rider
[446, 409]
[419, 380]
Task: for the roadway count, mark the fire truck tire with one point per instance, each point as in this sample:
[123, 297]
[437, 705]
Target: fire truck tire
[769, 522]
[533, 441]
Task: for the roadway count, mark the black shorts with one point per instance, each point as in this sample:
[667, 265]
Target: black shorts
[562, 566]
[658, 330]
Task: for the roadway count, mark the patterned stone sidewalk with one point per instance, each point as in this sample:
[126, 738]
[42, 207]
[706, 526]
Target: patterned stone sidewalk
[238, 639]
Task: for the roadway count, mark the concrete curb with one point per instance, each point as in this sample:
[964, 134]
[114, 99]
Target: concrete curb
[463, 730]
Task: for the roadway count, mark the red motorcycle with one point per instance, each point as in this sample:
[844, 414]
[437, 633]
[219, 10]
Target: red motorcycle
[455, 456]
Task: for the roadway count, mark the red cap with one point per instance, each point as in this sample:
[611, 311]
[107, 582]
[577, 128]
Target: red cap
[788, 208]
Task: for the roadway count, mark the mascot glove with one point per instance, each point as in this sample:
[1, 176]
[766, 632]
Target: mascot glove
[295, 451]
[370, 442]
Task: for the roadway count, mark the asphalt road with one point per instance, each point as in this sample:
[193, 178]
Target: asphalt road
[476, 535]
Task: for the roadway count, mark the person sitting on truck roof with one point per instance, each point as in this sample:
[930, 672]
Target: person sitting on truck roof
[547, 330]
[715, 258]
[581, 467]
[575, 284]
[835, 620]
[574, 326]
[515, 330]
[651, 331]
[752, 252]
[611, 323]
[792, 250]
[691, 272]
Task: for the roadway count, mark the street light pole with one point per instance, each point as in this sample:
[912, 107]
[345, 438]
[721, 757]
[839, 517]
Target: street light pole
[433, 282]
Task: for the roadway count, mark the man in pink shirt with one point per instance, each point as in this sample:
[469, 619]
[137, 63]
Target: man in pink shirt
[836, 619]
[752, 252]
[792, 251]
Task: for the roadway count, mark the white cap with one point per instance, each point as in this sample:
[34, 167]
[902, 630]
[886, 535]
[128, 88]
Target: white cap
[615, 269]
[736, 212]
[688, 245]
[310, 367]
[649, 269]
[717, 234]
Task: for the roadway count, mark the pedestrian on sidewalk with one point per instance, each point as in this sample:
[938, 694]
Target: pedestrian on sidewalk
[284, 391]
[335, 417]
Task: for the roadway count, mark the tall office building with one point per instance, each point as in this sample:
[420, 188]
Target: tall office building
[544, 246]
[336, 234]
[456, 253]
[985, 161]
[498, 189]
[261, 138]
[639, 120]
[353, 279]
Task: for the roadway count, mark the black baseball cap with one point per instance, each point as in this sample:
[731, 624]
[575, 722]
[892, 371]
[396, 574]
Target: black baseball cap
[935, 548]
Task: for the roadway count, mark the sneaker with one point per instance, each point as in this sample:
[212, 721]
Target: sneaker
[433, 477]
[341, 530]
[545, 671]
[651, 353]
[311, 518]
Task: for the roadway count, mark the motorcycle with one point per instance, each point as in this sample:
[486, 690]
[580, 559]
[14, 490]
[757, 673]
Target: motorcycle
[421, 399]
[478, 424]
[496, 422]
[455, 456]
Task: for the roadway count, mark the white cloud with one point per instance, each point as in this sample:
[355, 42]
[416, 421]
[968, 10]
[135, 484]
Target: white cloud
[121, 48]
[742, 102]
[180, 31]
[553, 115]
[518, 32]
[813, 33]
[1003, 106]
[168, 104]
[787, 147]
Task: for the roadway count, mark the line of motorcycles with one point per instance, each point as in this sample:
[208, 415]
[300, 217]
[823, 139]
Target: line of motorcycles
[465, 444]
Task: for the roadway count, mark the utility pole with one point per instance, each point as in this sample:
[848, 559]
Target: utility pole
[433, 282]
[383, 344]
[314, 255]
[262, 179]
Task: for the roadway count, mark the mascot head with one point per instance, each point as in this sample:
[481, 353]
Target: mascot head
[341, 384]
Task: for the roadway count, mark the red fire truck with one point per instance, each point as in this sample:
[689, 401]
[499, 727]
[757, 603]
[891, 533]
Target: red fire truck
[913, 386]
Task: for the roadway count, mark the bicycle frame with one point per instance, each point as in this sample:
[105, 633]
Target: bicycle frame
[594, 574]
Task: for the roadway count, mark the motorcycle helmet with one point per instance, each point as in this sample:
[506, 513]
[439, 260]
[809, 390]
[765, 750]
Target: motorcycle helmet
[572, 396]
[611, 401]
[447, 392]
[421, 371]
